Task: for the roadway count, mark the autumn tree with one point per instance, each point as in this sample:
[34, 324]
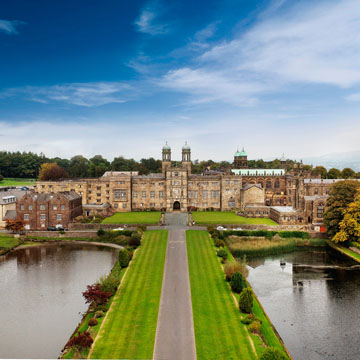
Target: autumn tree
[348, 173]
[350, 224]
[52, 171]
[342, 193]
[320, 170]
[14, 225]
[334, 174]
[94, 294]
[81, 341]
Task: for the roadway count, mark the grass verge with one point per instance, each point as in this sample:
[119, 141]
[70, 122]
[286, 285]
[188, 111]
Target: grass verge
[352, 254]
[219, 333]
[129, 329]
[146, 217]
[17, 182]
[223, 217]
[7, 242]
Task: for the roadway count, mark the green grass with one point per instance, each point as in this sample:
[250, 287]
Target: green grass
[219, 333]
[17, 182]
[128, 332]
[352, 254]
[7, 242]
[146, 217]
[223, 218]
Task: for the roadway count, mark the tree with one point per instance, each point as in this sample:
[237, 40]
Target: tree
[272, 353]
[79, 167]
[98, 166]
[14, 225]
[246, 301]
[342, 193]
[95, 294]
[320, 170]
[348, 173]
[81, 341]
[334, 174]
[124, 258]
[1, 178]
[52, 171]
[237, 282]
[350, 225]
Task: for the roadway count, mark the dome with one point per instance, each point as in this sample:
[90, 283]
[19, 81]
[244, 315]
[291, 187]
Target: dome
[241, 153]
[166, 147]
[283, 158]
[186, 146]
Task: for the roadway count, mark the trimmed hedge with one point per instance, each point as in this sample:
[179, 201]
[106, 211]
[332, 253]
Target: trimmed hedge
[268, 234]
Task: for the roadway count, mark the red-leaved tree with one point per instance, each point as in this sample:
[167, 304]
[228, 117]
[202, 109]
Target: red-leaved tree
[80, 342]
[14, 225]
[94, 294]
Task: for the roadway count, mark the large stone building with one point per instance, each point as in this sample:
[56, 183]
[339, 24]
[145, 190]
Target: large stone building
[251, 191]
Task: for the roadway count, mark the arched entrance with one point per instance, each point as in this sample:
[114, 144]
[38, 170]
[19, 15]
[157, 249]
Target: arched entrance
[176, 205]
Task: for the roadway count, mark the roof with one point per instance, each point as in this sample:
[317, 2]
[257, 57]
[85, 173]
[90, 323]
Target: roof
[283, 209]
[119, 173]
[248, 186]
[150, 176]
[315, 197]
[166, 146]
[259, 172]
[186, 146]
[44, 197]
[240, 153]
[10, 215]
[5, 195]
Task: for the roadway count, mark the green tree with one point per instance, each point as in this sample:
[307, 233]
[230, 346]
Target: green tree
[320, 170]
[348, 173]
[350, 224]
[342, 193]
[124, 258]
[79, 167]
[246, 301]
[334, 174]
[98, 166]
[237, 282]
[272, 353]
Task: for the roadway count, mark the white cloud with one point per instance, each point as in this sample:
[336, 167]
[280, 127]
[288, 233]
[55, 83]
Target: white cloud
[81, 94]
[311, 43]
[353, 97]
[148, 22]
[10, 26]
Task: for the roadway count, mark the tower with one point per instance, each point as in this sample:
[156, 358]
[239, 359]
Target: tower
[240, 160]
[283, 162]
[166, 157]
[186, 157]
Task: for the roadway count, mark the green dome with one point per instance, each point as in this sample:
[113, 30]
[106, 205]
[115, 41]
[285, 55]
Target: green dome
[241, 153]
[166, 147]
[186, 146]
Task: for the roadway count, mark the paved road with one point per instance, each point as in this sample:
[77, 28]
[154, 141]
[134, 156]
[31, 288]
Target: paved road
[175, 337]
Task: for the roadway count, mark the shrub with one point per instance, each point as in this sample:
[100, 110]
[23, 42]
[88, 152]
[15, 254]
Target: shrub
[141, 228]
[219, 243]
[255, 327]
[135, 239]
[131, 254]
[250, 318]
[100, 232]
[92, 322]
[109, 283]
[101, 307]
[272, 353]
[124, 258]
[246, 301]
[95, 294]
[237, 282]
[82, 341]
[234, 267]
[222, 253]
[99, 314]
[210, 229]
[1, 178]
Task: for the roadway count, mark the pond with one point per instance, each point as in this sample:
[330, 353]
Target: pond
[313, 301]
[41, 295]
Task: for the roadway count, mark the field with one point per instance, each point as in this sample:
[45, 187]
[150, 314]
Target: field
[219, 333]
[222, 218]
[17, 182]
[7, 242]
[130, 325]
[146, 217]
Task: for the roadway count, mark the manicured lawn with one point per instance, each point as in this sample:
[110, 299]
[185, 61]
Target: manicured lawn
[7, 242]
[220, 217]
[17, 182]
[128, 331]
[219, 333]
[150, 217]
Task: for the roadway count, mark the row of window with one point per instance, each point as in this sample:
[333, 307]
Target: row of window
[152, 194]
[42, 207]
[43, 217]
[214, 194]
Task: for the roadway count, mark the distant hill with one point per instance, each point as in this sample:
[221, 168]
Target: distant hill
[336, 160]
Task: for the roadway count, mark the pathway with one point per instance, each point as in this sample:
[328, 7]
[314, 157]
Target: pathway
[175, 337]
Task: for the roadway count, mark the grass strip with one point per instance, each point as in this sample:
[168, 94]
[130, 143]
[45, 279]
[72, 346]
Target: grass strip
[227, 217]
[129, 329]
[352, 254]
[219, 333]
[17, 182]
[146, 217]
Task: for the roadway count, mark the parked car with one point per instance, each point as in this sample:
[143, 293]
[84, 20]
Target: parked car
[238, 229]
[220, 228]
[51, 228]
[118, 229]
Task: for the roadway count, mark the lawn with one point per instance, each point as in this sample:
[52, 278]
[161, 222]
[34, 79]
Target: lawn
[352, 254]
[146, 217]
[219, 333]
[222, 218]
[16, 182]
[128, 331]
[7, 242]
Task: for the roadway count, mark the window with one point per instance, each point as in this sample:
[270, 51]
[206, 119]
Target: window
[161, 194]
[205, 194]
[195, 194]
[152, 184]
[320, 210]
[143, 194]
[268, 184]
[98, 188]
[42, 207]
[27, 227]
[316, 191]
[30, 207]
[98, 194]
[26, 216]
[115, 206]
[42, 216]
[58, 216]
[124, 205]
[42, 225]
[54, 207]
[176, 174]
[277, 184]
[22, 207]
[215, 194]
[152, 205]
[63, 206]
[120, 194]
[152, 194]
[231, 203]
[135, 194]
[190, 194]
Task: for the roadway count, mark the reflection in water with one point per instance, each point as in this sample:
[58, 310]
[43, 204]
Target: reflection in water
[40, 296]
[313, 302]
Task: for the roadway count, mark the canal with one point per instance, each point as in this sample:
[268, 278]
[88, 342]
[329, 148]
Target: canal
[41, 296]
[313, 301]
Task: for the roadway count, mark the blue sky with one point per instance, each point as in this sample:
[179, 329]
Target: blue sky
[122, 77]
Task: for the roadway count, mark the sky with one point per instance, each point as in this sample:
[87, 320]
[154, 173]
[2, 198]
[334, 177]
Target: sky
[119, 78]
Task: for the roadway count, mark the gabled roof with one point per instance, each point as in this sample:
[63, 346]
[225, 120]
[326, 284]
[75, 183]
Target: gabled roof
[248, 186]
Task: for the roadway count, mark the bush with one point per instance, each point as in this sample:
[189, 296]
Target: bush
[92, 322]
[219, 243]
[100, 232]
[234, 267]
[131, 254]
[102, 308]
[81, 341]
[222, 253]
[135, 239]
[237, 283]
[1, 178]
[99, 314]
[246, 301]
[109, 283]
[141, 228]
[255, 327]
[124, 258]
[250, 318]
[272, 353]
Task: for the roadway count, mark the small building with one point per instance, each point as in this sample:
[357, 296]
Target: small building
[39, 211]
[97, 209]
[284, 215]
[8, 199]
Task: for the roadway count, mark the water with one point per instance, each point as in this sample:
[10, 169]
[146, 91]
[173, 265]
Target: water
[40, 296]
[315, 308]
